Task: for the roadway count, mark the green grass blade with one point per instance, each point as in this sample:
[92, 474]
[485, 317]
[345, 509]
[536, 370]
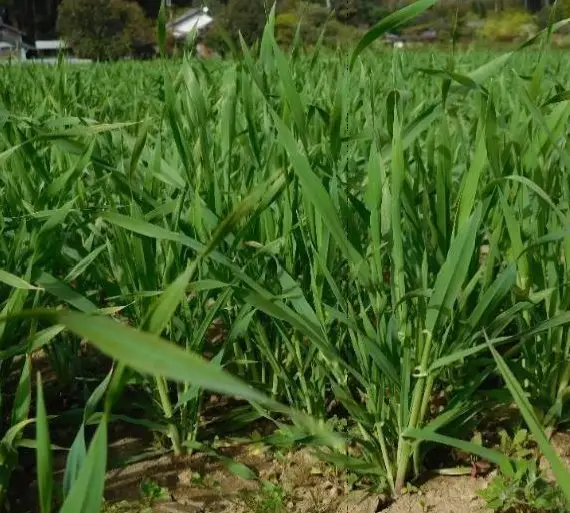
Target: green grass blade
[44, 465]
[15, 282]
[453, 272]
[61, 291]
[150, 354]
[86, 495]
[317, 194]
[388, 23]
[75, 461]
[23, 398]
[488, 454]
[168, 302]
[470, 183]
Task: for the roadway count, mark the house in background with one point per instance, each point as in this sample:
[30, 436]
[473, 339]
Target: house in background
[12, 42]
[192, 19]
[49, 49]
[5, 50]
[48, 52]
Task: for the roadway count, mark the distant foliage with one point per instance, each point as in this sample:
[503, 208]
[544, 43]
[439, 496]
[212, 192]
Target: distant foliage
[234, 17]
[313, 19]
[246, 17]
[360, 12]
[285, 27]
[509, 25]
[103, 29]
[557, 12]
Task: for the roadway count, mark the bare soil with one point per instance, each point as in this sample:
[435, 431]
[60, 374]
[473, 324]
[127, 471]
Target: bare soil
[200, 484]
[308, 486]
[444, 494]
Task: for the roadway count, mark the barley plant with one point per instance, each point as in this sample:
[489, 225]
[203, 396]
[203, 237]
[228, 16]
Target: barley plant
[366, 232]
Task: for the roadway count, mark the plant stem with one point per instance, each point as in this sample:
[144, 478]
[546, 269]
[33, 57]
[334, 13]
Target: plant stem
[167, 409]
[404, 456]
[389, 472]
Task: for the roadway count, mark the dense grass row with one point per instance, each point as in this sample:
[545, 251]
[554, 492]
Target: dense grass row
[360, 236]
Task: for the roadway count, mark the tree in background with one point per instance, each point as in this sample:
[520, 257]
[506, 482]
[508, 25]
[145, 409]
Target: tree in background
[103, 29]
[36, 18]
[313, 19]
[361, 12]
[247, 17]
[233, 17]
[152, 7]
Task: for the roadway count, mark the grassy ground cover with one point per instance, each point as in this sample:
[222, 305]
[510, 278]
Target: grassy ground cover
[376, 246]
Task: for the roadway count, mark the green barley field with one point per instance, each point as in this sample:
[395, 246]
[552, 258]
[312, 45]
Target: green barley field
[370, 255]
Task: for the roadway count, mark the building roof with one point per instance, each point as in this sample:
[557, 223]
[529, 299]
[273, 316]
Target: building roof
[13, 37]
[190, 20]
[56, 44]
[9, 28]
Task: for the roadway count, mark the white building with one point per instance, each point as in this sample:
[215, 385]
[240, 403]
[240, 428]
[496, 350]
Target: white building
[55, 45]
[192, 19]
[11, 42]
[49, 49]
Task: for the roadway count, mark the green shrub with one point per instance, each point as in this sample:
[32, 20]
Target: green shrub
[360, 12]
[286, 19]
[508, 25]
[243, 16]
[214, 39]
[345, 10]
[339, 34]
[526, 490]
[313, 14]
[285, 27]
[103, 29]
[313, 18]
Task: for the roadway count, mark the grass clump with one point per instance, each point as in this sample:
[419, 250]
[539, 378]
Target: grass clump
[270, 498]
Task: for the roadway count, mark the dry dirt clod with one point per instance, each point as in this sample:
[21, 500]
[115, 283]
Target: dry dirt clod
[185, 478]
[443, 494]
[334, 492]
[174, 507]
[359, 501]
